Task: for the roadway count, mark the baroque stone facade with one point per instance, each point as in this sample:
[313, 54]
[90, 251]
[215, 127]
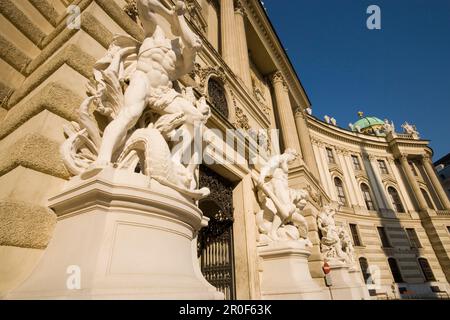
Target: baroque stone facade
[391, 215]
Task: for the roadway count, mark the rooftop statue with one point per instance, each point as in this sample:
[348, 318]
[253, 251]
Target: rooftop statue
[389, 127]
[280, 217]
[411, 130]
[133, 92]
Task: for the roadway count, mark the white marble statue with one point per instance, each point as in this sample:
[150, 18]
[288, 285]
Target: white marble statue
[141, 109]
[333, 121]
[389, 127]
[351, 126]
[335, 244]
[309, 110]
[280, 217]
[327, 119]
[411, 130]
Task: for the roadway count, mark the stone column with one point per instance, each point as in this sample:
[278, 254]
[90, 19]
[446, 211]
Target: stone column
[435, 181]
[305, 142]
[228, 34]
[285, 113]
[423, 206]
[243, 59]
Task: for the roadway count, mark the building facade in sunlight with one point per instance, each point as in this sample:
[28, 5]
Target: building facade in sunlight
[380, 179]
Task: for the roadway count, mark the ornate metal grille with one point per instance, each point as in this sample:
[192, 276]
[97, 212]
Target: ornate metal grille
[215, 242]
[217, 96]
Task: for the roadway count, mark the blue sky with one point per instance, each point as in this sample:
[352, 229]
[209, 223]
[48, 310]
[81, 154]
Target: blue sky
[401, 72]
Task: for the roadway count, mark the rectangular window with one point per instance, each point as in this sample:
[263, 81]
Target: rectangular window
[383, 167]
[355, 235]
[384, 238]
[330, 156]
[356, 163]
[413, 238]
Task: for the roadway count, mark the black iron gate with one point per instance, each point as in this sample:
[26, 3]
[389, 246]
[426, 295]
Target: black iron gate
[215, 242]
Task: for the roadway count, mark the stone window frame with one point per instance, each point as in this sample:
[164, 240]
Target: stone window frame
[372, 195]
[415, 243]
[426, 277]
[397, 265]
[356, 235]
[384, 170]
[401, 197]
[335, 176]
[356, 165]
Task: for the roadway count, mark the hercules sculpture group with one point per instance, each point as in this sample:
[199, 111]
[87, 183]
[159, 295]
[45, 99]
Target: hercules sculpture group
[133, 91]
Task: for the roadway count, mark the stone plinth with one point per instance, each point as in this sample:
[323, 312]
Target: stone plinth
[285, 272]
[130, 238]
[346, 283]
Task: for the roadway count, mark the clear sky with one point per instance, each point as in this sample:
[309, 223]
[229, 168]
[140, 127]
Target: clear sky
[401, 72]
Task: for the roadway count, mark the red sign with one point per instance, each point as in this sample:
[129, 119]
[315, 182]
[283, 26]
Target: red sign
[326, 268]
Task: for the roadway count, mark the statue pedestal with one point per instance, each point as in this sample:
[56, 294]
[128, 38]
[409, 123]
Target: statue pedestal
[285, 273]
[123, 236]
[346, 283]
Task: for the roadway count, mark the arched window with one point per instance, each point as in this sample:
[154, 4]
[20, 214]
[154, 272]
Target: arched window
[340, 191]
[395, 199]
[217, 97]
[367, 197]
[365, 270]
[395, 270]
[427, 199]
[426, 270]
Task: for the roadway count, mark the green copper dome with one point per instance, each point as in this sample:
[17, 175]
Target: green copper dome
[367, 122]
[368, 125]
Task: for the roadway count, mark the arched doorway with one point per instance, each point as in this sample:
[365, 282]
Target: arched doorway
[215, 242]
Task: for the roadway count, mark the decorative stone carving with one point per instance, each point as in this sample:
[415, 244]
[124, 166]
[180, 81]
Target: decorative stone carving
[195, 15]
[131, 9]
[238, 7]
[411, 130]
[241, 119]
[389, 127]
[335, 244]
[204, 74]
[134, 95]
[280, 218]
